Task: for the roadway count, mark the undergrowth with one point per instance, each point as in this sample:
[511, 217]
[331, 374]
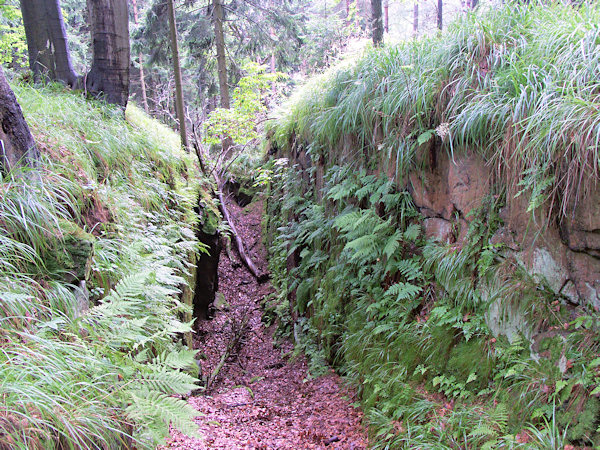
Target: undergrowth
[408, 320]
[94, 251]
[405, 320]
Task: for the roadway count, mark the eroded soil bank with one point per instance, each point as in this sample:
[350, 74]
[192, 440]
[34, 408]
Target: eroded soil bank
[262, 397]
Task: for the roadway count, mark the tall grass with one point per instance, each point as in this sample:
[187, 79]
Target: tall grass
[519, 84]
[102, 377]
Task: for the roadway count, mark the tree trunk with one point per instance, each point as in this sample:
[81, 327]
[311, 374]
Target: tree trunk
[416, 19]
[473, 3]
[47, 44]
[377, 22]
[386, 16]
[16, 142]
[179, 105]
[440, 10]
[221, 59]
[141, 62]
[109, 75]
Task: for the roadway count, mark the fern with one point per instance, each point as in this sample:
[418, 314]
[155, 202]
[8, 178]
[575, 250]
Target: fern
[403, 291]
[157, 411]
[167, 380]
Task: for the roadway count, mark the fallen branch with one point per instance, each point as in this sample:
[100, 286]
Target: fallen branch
[261, 278]
[232, 344]
[237, 241]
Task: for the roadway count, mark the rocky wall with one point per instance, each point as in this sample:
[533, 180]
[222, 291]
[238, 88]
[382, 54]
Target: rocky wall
[448, 188]
[565, 253]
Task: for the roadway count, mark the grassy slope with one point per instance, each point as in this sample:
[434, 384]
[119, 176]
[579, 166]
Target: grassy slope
[403, 318]
[102, 377]
[518, 85]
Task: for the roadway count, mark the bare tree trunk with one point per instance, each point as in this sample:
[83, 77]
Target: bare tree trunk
[47, 41]
[377, 22]
[273, 37]
[141, 62]
[221, 59]
[347, 8]
[416, 19]
[440, 17]
[109, 75]
[386, 15]
[16, 142]
[179, 105]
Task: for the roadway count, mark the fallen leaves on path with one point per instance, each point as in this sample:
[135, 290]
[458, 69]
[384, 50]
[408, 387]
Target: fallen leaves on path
[260, 398]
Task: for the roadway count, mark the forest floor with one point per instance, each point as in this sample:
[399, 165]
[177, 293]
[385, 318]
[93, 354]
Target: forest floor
[262, 396]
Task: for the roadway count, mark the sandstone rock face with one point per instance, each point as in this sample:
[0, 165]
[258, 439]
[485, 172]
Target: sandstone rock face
[585, 274]
[582, 228]
[468, 182]
[430, 194]
[447, 189]
[545, 267]
[565, 257]
[439, 229]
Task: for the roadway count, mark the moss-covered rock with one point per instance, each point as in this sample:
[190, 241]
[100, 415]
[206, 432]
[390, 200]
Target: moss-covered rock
[210, 216]
[71, 261]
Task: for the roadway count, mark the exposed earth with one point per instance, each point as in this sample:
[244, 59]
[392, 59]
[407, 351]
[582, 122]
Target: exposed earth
[262, 395]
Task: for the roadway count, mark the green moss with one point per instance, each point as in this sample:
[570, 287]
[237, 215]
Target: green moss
[210, 216]
[72, 258]
[187, 295]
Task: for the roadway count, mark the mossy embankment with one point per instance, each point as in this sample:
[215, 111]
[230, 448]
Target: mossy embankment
[434, 231]
[95, 250]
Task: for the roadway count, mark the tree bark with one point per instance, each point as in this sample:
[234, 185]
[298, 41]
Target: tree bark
[386, 16]
[47, 44]
[377, 22]
[109, 75]
[141, 62]
[179, 105]
[416, 19]
[16, 142]
[221, 58]
[440, 17]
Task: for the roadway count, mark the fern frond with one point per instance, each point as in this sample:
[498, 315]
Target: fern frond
[161, 410]
[168, 381]
[403, 291]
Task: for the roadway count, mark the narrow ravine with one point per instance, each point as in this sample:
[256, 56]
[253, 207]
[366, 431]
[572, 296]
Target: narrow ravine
[261, 397]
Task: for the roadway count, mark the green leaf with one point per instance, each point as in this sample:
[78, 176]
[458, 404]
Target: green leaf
[424, 137]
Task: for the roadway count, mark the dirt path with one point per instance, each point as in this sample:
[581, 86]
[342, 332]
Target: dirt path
[262, 399]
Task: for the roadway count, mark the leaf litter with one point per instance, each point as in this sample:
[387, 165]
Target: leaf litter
[258, 397]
